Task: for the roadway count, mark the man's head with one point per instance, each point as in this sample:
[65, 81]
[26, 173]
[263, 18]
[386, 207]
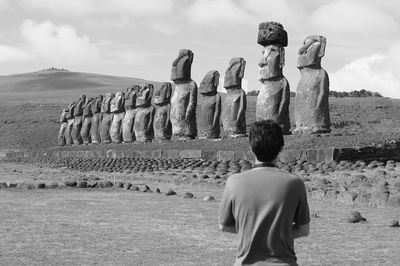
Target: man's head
[266, 140]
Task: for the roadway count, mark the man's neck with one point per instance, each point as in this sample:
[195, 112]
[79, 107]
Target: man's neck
[257, 162]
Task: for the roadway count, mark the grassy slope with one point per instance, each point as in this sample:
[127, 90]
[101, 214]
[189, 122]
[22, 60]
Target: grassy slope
[60, 86]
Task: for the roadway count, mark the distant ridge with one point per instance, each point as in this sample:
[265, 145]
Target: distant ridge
[53, 83]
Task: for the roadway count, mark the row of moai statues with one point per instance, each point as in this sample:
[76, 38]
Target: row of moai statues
[131, 116]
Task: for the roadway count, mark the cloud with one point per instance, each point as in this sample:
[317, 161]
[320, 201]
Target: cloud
[58, 44]
[373, 73]
[355, 21]
[164, 27]
[9, 54]
[84, 8]
[215, 12]
[4, 5]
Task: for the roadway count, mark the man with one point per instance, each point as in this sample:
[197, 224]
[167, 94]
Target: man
[266, 206]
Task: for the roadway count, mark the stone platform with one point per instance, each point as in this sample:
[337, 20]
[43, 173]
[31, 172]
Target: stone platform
[327, 155]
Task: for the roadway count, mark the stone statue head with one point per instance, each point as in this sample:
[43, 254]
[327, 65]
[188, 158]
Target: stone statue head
[144, 95]
[235, 73]
[105, 105]
[210, 82]
[272, 61]
[270, 33]
[181, 67]
[99, 98]
[117, 103]
[312, 51]
[130, 97]
[163, 93]
[83, 98]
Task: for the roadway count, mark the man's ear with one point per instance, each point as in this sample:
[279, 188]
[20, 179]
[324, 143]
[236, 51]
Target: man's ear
[323, 45]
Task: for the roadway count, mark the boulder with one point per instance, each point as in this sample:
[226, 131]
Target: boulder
[355, 217]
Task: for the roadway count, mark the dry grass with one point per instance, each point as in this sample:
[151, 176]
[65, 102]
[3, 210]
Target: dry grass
[117, 227]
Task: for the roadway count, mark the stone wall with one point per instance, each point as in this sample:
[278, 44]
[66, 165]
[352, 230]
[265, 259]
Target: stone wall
[327, 155]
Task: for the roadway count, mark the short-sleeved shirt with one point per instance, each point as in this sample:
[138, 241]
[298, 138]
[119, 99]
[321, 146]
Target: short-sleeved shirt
[263, 204]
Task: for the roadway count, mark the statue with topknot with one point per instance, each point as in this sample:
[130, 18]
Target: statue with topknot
[274, 97]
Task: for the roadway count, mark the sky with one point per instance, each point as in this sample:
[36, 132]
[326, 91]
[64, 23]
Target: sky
[136, 38]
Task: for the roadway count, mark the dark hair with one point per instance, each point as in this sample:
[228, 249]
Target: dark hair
[266, 140]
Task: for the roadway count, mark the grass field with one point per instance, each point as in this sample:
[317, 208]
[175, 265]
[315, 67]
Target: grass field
[117, 227]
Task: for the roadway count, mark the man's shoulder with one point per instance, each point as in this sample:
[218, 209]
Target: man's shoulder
[283, 175]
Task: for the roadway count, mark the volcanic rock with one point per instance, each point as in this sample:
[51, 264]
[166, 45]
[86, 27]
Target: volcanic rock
[355, 217]
[209, 198]
[170, 192]
[70, 183]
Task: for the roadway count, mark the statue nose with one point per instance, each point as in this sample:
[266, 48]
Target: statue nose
[263, 62]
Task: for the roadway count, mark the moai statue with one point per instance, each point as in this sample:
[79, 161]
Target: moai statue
[106, 119]
[162, 123]
[235, 103]
[118, 111]
[70, 124]
[274, 97]
[78, 120]
[128, 135]
[63, 126]
[311, 107]
[143, 124]
[87, 121]
[184, 98]
[210, 106]
[96, 119]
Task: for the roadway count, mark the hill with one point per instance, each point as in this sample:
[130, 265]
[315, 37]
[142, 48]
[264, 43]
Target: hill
[49, 85]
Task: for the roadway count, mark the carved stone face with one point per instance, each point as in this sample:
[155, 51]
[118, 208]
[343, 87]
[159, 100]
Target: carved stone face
[234, 73]
[311, 52]
[105, 105]
[163, 94]
[116, 103]
[210, 82]
[144, 95]
[272, 62]
[130, 97]
[181, 67]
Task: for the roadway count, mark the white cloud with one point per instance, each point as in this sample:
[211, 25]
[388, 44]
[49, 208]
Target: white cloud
[4, 5]
[215, 12]
[372, 73]
[58, 44]
[164, 27]
[9, 54]
[114, 53]
[355, 21]
[84, 8]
